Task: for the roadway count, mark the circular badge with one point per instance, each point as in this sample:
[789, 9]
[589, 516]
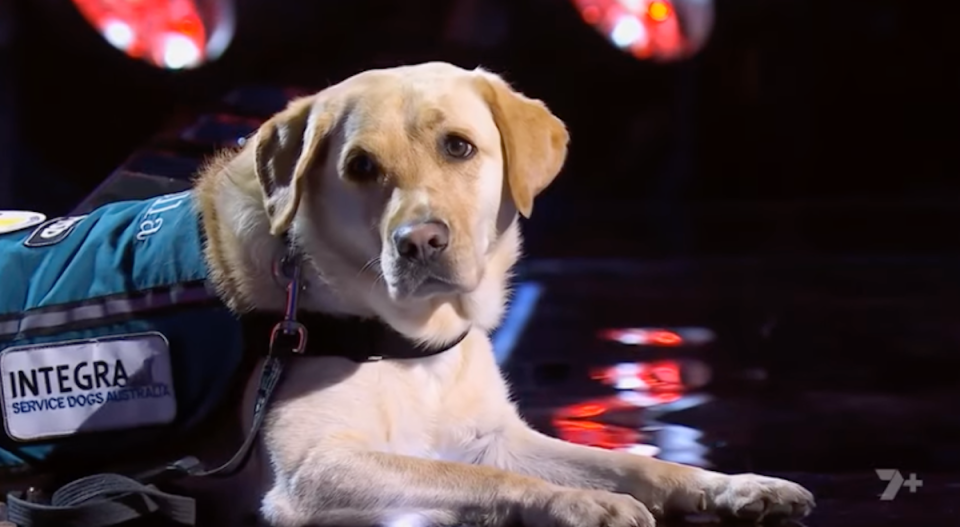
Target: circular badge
[15, 220]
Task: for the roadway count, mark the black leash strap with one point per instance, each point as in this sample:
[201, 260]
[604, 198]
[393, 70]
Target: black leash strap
[101, 500]
[190, 466]
[106, 500]
[288, 269]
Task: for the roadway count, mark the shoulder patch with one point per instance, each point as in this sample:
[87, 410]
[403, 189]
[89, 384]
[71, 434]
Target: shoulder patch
[15, 220]
[53, 231]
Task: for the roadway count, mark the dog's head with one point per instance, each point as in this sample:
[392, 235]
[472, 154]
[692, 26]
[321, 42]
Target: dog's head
[406, 182]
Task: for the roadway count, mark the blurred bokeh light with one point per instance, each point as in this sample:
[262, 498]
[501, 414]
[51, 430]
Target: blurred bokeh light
[659, 30]
[170, 34]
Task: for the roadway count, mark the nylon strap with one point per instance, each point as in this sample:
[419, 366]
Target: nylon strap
[102, 500]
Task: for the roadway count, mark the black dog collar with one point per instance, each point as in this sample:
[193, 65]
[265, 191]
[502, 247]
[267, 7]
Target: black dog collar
[354, 338]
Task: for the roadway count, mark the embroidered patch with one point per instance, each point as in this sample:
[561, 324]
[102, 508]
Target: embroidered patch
[52, 231]
[15, 220]
[66, 388]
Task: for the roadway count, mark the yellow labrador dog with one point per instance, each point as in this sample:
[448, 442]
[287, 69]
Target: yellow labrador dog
[403, 187]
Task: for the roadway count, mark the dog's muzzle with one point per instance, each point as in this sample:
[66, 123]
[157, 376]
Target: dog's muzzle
[421, 248]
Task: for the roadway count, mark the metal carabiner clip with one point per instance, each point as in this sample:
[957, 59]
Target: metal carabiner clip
[289, 268]
[287, 328]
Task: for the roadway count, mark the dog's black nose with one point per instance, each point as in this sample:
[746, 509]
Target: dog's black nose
[421, 241]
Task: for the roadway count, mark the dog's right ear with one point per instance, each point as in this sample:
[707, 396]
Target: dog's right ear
[286, 148]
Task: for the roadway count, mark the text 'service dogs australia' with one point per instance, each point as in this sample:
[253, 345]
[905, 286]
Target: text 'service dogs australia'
[71, 385]
[61, 389]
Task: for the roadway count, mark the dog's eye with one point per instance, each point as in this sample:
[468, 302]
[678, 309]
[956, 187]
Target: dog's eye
[362, 167]
[458, 147]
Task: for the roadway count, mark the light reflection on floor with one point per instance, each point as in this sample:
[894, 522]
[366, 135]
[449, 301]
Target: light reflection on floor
[641, 389]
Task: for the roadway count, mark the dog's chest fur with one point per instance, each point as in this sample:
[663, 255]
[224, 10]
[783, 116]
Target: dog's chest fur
[434, 408]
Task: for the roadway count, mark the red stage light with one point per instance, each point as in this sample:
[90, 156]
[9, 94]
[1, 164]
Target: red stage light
[686, 336]
[665, 338]
[659, 11]
[590, 433]
[649, 28]
[585, 410]
[657, 377]
[643, 337]
[166, 33]
[572, 424]
[591, 14]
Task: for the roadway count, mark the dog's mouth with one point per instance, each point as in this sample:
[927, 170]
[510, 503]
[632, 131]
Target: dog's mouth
[435, 285]
[423, 282]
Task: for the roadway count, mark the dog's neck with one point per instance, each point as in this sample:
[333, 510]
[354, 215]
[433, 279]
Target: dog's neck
[241, 253]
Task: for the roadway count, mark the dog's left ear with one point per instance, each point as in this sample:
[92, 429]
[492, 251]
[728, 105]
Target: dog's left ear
[534, 141]
[286, 149]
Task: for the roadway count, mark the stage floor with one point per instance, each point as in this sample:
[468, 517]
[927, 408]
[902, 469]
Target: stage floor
[801, 371]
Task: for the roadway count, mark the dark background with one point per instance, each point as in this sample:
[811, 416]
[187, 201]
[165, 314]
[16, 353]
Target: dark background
[802, 127]
[793, 187]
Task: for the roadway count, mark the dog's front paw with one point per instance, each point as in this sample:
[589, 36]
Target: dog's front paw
[587, 508]
[754, 497]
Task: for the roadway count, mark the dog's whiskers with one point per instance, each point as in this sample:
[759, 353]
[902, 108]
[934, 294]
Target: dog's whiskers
[370, 263]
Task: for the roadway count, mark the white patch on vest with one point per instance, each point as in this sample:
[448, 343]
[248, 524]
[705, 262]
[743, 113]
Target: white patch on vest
[15, 220]
[65, 388]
